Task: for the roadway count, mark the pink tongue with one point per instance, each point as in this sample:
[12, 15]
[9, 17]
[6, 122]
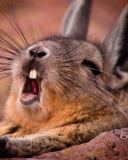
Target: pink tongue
[35, 87]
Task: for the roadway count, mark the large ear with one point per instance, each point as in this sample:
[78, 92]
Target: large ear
[75, 24]
[115, 51]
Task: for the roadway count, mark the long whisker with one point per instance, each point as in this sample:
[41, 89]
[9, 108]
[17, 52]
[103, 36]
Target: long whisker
[73, 94]
[106, 101]
[80, 78]
[7, 58]
[22, 37]
[83, 88]
[59, 84]
[9, 45]
[6, 76]
[12, 39]
[6, 50]
[68, 66]
[5, 64]
[66, 52]
[28, 21]
[14, 19]
[104, 24]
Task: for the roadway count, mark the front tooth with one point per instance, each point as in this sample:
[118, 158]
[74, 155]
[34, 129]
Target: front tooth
[33, 74]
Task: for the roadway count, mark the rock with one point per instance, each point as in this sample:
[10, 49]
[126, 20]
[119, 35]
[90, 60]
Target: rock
[111, 145]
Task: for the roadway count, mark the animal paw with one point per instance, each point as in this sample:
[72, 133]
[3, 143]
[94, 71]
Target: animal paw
[5, 148]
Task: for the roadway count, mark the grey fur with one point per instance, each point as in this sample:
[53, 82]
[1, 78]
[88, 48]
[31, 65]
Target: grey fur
[77, 18]
[112, 45]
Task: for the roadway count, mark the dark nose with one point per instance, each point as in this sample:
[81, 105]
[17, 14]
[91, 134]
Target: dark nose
[36, 55]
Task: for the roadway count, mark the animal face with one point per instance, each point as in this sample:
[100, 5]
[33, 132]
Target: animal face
[52, 67]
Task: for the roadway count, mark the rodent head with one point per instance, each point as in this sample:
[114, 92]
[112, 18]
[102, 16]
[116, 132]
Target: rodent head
[61, 68]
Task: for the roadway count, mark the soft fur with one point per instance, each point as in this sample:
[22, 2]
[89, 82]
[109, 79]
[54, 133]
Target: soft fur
[82, 88]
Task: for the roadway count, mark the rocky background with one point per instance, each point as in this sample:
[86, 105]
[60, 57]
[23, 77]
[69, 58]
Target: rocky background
[42, 18]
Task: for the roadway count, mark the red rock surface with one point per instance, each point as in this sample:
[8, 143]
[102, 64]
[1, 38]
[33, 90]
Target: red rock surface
[111, 145]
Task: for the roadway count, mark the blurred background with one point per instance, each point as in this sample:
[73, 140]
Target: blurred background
[43, 18]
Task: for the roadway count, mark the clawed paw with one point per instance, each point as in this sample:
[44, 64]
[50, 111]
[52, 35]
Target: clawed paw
[5, 148]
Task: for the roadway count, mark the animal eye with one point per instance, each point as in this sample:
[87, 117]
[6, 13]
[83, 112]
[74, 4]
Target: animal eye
[91, 66]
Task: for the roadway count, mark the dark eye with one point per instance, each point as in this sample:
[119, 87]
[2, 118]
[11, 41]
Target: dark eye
[91, 66]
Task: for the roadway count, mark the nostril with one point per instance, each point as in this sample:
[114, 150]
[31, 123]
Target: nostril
[32, 53]
[41, 54]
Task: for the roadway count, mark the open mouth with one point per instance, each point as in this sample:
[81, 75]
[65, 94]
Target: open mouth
[31, 90]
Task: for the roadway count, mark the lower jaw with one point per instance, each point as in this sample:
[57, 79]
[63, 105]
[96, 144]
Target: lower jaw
[28, 99]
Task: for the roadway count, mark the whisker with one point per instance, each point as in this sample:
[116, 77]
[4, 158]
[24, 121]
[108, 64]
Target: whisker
[22, 37]
[4, 69]
[66, 52]
[7, 58]
[12, 39]
[106, 101]
[80, 78]
[14, 19]
[28, 21]
[74, 94]
[59, 84]
[6, 76]
[77, 85]
[9, 45]
[68, 66]
[74, 60]
[6, 50]
[103, 24]
[5, 64]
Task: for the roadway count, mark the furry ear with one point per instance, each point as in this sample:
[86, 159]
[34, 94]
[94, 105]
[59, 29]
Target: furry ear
[115, 50]
[75, 24]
